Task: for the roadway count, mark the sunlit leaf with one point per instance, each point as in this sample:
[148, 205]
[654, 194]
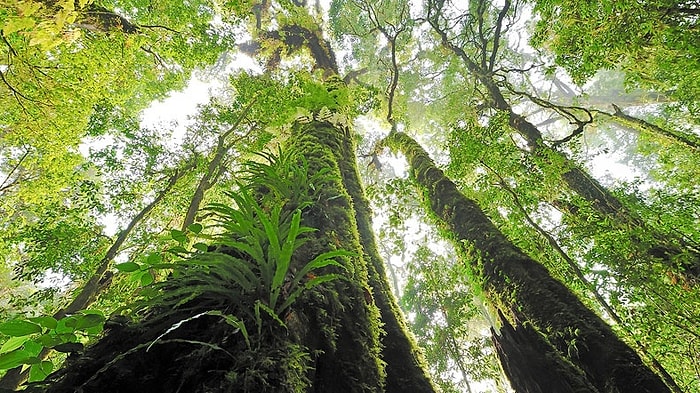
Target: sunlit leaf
[127, 267]
[14, 359]
[18, 328]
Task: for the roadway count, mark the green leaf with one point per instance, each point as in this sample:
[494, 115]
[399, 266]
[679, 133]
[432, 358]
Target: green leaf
[17, 24]
[19, 327]
[14, 359]
[66, 325]
[49, 340]
[195, 228]
[28, 8]
[322, 260]
[201, 247]
[232, 320]
[69, 347]
[285, 258]
[154, 258]
[255, 251]
[88, 320]
[46, 321]
[39, 371]
[13, 343]
[146, 279]
[178, 235]
[308, 285]
[262, 306]
[33, 348]
[178, 250]
[127, 267]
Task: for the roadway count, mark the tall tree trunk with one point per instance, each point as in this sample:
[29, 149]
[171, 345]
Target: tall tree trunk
[404, 363]
[678, 256]
[577, 350]
[333, 330]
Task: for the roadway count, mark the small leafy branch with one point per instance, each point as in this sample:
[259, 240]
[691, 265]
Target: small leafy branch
[29, 337]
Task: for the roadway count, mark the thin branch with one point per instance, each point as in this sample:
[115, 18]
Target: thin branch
[689, 140]
[17, 94]
[497, 34]
[4, 185]
[213, 168]
[12, 50]
[156, 56]
[563, 110]
[391, 38]
[160, 27]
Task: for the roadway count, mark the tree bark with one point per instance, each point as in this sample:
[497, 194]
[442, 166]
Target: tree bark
[690, 140]
[334, 329]
[673, 251]
[405, 365]
[577, 351]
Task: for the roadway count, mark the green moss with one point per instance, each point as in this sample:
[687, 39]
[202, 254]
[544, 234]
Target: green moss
[283, 368]
[405, 362]
[345, 320]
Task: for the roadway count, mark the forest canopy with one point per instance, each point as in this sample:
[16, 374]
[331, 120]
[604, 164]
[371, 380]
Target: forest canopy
[425, 196]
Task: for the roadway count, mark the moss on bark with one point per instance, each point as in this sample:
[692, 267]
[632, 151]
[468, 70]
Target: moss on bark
[405, 365]
[348, 324]
[526, 293]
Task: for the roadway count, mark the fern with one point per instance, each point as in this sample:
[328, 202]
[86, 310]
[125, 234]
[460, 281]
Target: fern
[258, 236]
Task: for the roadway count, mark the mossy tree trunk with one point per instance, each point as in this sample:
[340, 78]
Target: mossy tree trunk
[347, 220]
[546, 330]
[672, 250]
[331, 339]
[404, 364]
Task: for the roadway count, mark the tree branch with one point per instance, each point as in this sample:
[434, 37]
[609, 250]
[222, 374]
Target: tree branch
[4, 185]
[497, 35]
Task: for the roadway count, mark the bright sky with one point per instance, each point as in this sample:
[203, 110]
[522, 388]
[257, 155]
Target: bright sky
[174, 112]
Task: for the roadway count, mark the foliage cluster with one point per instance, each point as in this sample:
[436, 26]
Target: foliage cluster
[654, 42]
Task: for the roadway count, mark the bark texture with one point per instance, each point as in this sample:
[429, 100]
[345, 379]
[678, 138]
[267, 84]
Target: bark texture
[525, 292]
[405, 366]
